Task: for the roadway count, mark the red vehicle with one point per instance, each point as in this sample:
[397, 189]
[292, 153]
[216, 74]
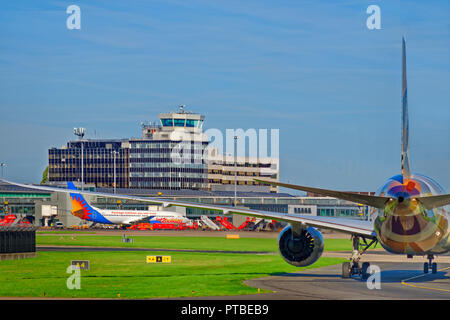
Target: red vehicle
[165, 226]
[246, 222]
[162, 226]
[24, 223]
[141, 226]
[224, 221]
[9, 219]
[193, 226]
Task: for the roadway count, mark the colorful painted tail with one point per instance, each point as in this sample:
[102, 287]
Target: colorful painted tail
[82, 209]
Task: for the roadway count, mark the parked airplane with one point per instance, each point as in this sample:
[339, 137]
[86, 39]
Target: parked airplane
[409, 215]
[83, 210]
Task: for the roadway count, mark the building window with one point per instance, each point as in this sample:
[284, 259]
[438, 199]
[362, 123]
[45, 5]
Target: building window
[191, 123]
[179, 122]
[167, 122]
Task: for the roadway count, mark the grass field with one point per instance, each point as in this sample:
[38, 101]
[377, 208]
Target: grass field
[172, 242]
[125, 274]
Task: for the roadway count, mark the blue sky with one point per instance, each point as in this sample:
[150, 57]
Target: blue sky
[313, 70]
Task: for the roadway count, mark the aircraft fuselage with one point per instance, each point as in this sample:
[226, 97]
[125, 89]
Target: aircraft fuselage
[404, 225]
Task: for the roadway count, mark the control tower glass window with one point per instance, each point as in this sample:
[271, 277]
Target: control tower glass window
[167, 122]
[179, 122]
[191, 123]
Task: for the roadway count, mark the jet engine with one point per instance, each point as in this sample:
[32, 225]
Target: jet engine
[300, 248]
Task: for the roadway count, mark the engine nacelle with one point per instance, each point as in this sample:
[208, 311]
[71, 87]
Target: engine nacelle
[303, 249]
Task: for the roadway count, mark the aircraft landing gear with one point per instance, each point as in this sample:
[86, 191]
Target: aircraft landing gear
[352, 268]
[430, 265]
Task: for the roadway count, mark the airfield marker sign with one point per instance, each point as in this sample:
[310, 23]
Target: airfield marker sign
[80, 264]
[159, 259]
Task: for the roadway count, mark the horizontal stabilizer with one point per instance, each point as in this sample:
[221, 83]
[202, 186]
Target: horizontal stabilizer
[373, 201]
[432, 202]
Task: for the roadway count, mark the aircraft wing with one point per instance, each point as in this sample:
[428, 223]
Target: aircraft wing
[363, 228]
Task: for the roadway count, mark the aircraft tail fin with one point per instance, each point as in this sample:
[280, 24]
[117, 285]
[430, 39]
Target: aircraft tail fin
[71, 186]
[81, 208]
[405, 120]
[75, 196]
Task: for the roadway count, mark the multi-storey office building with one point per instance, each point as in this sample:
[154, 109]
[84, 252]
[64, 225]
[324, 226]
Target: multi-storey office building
[153, 165]
[241, 171]
[171, 154]
[100, 158]
[168, 156]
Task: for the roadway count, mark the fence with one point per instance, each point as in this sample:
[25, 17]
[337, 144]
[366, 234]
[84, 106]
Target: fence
[17, 240]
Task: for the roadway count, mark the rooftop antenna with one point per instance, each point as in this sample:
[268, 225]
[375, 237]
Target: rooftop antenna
[79, 132]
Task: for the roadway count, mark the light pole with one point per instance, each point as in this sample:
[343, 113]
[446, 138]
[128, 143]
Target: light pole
[114, 152]
[80, 133]
[2, 165]
[235, 169]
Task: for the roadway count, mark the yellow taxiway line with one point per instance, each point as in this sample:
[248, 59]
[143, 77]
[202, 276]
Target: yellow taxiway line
[422, 287]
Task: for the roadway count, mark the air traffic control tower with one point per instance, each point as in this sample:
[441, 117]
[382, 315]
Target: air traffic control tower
[173, 123]
[170, 154]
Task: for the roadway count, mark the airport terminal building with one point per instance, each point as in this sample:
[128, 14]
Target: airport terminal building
[170, 155]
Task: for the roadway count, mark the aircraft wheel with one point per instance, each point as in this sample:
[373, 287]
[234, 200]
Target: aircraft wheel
[434, 267]
[425, 267]
[364, 274]
[346, 270]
